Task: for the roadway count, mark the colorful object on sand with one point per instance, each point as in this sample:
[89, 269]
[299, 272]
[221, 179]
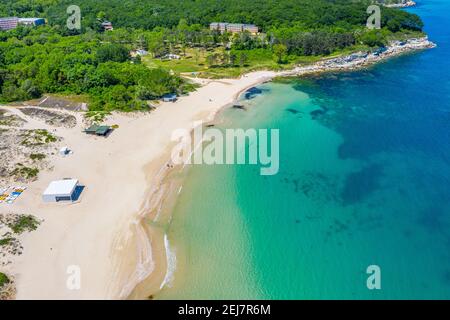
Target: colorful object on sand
[10, 194]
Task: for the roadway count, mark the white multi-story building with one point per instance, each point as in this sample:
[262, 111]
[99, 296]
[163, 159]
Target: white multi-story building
[233, 27]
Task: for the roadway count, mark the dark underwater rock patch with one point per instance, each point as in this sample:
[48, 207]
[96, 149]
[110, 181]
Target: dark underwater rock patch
[293, 111]
[252, 93]
[359, 185]
[315, 114]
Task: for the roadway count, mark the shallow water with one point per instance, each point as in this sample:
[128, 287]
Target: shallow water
[364, 180]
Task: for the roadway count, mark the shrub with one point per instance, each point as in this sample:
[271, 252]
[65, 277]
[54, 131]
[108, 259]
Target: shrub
[3, 279]
[24, 223]
[37, 156]
[25, 172]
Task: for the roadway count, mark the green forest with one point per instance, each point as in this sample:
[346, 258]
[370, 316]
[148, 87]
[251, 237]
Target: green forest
[97, 63]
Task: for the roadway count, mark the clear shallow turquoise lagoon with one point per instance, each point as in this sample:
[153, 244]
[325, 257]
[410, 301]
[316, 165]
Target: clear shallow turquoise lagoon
[364, 179]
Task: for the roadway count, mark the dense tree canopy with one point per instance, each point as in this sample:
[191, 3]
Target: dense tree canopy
[36, 61]
[90, 61]
[148, 14]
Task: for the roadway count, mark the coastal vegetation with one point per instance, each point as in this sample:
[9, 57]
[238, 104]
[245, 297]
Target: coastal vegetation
[98, 63]
[37, 156]
[7, 289]
[37, 137]
[3, 280]
[10, 245]
[23, 172]
[16, 224]
[36, 61]
[96, 116]
[23, 223]
[9, 119]
[25, 153]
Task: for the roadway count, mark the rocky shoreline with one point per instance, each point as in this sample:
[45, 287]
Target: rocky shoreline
[362, 59]
[405, 4]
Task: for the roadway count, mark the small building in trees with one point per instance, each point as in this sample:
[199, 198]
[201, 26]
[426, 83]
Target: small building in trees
[233, 27]
[171, 56]
[8, 23]
[107, 26]
[31, 21]
[138, 52]
[13, 22]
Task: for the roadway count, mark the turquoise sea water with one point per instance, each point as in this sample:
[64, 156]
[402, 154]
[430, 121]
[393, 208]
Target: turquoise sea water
[364, 180]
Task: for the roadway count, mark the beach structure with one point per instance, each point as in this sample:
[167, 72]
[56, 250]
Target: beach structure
[10, 194]
[170, 97]
[64, 151]
[98, 130]
[233, 27]
[61, 190]
[13, 22]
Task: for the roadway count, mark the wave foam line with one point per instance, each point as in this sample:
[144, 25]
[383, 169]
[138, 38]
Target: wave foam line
[171, 264]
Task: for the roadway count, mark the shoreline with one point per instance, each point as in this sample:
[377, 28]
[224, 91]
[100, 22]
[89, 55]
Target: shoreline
[329, 65]
[101, 233]
[407, 4]
[124, 239]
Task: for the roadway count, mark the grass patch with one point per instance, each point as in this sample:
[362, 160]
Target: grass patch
[193, 61]
[37, 156]
[405, 35]
[22, 171]
[77, 98]
[24, 223]
[7, 122]
[196, 62]
[3, 279]
[37, 138]
[6, 241]
[97, 116]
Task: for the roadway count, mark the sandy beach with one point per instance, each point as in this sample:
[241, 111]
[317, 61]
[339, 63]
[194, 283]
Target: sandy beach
[102, 233]
[118, 173]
